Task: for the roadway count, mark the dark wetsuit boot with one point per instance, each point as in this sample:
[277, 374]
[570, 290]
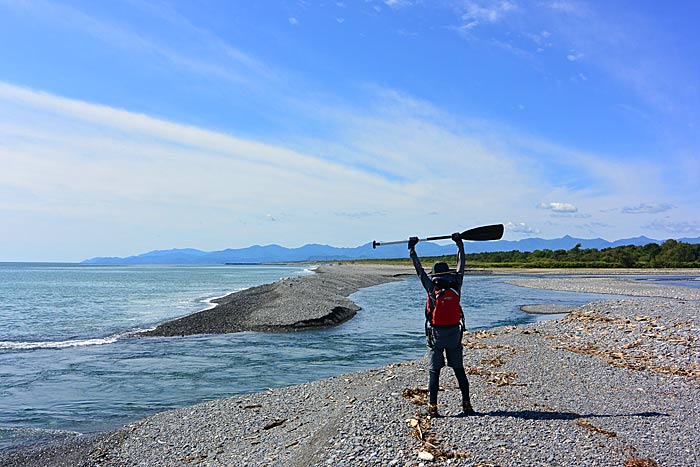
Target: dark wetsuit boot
[463, 382]
[433, 387]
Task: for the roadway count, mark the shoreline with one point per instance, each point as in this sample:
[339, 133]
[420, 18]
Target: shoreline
[609, 286]
[540, 384]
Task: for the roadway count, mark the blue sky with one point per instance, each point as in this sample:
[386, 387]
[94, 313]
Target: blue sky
[127, 126]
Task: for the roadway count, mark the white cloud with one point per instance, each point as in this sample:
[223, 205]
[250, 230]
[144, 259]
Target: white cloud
[92, 163]
[572, 57]
[647, 208]
[558, 207]
[521, 228]
[293, 21]
[105, 170]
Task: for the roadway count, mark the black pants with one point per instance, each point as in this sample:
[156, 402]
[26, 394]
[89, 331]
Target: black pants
[434, 384]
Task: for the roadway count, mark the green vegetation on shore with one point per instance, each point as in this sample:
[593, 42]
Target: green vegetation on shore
[670, 254]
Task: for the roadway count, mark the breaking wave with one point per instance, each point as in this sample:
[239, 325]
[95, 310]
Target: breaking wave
[33, 345]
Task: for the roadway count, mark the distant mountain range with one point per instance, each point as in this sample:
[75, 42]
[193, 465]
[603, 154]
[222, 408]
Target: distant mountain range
[315, 252]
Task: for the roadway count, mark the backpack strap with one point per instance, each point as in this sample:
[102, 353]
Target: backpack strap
[462, 324]
[429, 334]
[429, 308]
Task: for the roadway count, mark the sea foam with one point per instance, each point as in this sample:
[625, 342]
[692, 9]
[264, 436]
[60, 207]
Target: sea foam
[33, 345]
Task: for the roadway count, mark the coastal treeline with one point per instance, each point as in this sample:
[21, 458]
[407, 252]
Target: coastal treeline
[669, 254]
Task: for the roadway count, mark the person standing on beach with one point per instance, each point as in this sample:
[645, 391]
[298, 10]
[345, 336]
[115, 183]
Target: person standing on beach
[444, 323]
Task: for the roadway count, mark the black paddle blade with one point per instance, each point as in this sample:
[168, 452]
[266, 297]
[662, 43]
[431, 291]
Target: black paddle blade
[487, 232]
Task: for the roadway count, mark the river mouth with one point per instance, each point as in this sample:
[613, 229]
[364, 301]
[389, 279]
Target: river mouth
[88, 389]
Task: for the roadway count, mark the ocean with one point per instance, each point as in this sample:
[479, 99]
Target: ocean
[70, 363]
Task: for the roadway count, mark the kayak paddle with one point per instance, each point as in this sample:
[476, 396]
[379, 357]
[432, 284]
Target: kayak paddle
[477, 234]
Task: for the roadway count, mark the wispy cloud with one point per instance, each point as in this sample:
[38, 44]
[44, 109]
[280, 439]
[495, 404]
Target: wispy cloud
[569, 7]
[94, 162]
[398, 3]
[647, 208]
[193, 49]
[395, 159]
[410, 141]
[385, 154]
[558, 207]
[623, 51]
[571, 215]
[614, 41]
[361, 214]
[676, 228]
[473, 13]
[97, 164]
[487, 10]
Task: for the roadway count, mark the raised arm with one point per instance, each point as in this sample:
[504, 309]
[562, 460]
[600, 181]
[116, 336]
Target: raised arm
[424, 279]
[460, 257]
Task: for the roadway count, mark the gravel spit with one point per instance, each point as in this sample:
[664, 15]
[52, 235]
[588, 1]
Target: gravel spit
[313, 301]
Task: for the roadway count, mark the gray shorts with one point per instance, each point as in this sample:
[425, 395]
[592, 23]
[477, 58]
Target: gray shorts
[447, 340]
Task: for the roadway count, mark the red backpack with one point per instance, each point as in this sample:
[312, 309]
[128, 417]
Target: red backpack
[442, 307]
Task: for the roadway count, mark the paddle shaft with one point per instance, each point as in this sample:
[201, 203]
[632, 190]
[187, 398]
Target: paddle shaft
[397, 242]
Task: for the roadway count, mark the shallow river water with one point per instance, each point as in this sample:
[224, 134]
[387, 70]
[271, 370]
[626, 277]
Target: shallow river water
[69, 364]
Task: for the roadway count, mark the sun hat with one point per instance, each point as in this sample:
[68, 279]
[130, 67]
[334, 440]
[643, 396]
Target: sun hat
[441, 268]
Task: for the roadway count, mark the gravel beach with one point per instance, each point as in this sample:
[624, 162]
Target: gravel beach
[614, 383]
